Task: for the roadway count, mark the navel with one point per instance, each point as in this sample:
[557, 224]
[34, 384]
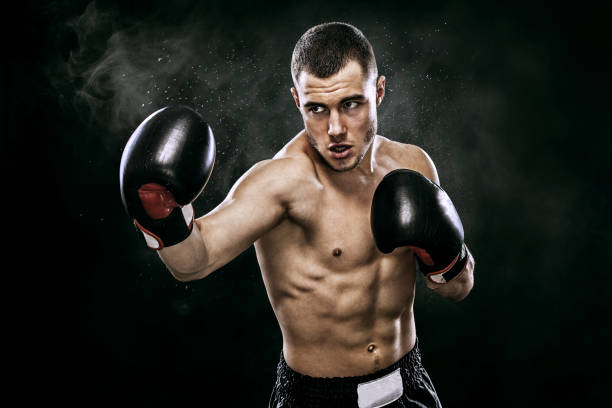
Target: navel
[371, 347]
[337, 252]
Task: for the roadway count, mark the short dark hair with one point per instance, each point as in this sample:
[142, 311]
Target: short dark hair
[325, 49]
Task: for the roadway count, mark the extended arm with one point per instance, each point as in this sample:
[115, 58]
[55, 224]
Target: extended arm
[254, 205]
[166, 165]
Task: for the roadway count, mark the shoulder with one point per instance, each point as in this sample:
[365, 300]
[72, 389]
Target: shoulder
[281, 170]
[292, 161]
[282, 175]
[409, 156]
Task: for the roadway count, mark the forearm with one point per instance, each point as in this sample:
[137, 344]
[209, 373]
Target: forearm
[187, 260]
[458, 288]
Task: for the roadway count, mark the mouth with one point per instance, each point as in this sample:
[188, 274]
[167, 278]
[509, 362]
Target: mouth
[339, 150]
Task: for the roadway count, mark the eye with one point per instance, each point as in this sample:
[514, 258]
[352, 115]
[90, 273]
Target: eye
[351, 105]
[317, 109]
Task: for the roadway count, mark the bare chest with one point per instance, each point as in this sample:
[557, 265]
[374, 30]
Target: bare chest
[335, 228]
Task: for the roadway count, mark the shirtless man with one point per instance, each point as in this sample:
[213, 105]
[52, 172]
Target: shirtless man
[338, 262]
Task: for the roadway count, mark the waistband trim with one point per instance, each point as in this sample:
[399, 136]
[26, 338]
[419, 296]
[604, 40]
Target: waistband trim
[408, 362]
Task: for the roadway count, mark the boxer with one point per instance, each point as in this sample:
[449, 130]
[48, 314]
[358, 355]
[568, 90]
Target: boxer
[340, 218]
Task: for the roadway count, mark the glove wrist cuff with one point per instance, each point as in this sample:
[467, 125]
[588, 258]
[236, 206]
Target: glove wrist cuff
[452, 271]
[168, 231]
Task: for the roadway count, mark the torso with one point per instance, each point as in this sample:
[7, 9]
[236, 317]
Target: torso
[344, 308]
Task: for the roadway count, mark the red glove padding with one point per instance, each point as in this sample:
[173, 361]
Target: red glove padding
[164, 167]
[156, 200]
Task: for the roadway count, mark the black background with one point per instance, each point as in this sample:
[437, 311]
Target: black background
[510, 102]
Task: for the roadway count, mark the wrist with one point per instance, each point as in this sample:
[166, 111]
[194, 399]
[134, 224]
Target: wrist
[167, 231]
[450, 272]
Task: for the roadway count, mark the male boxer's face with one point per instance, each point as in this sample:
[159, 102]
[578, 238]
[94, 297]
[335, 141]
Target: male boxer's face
[339, 113]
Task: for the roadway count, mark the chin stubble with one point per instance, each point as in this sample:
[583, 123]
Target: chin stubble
[367, 139]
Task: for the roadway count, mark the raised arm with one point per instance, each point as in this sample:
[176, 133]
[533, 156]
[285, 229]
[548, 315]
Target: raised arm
[459, 287]
[410, 209]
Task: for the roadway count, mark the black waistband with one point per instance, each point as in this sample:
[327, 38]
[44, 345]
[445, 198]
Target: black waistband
[294, 386]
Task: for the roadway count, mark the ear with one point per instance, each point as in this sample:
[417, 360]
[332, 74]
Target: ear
[380, 89]
[296, 97]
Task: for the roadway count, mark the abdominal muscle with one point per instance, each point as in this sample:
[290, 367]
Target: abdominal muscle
[340, 316]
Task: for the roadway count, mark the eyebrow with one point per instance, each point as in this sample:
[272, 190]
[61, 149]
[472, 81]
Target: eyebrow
[358, 97]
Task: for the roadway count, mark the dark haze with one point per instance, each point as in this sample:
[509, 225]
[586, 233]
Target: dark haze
[508, 102]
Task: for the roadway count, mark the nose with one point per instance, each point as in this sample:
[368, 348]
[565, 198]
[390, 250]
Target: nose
[336, 126]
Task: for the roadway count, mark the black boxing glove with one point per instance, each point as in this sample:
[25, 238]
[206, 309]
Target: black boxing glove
[410, 210]
[165, 165]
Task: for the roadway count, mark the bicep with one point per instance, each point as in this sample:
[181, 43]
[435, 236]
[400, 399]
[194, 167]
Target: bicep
[253, 206]
[412, 157]
[426, 165]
